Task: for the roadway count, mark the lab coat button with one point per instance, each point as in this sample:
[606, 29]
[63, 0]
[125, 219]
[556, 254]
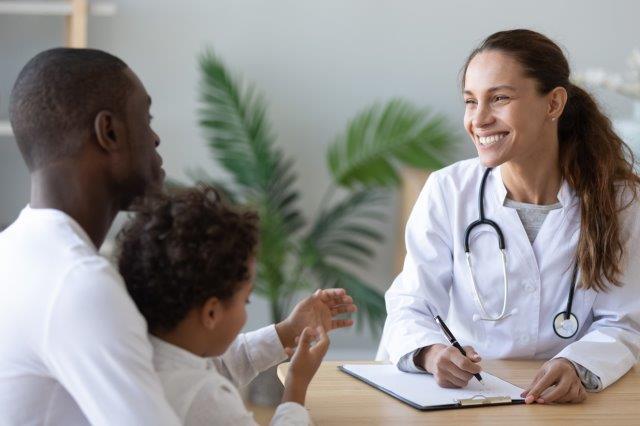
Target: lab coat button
[530, 287]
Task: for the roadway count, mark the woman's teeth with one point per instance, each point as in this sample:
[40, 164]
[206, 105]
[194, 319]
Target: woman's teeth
[490, 140]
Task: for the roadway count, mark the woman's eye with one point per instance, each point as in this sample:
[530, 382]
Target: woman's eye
[501, 98]
[469, 101]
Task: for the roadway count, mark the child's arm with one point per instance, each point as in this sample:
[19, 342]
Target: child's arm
[217, 401]
[249, 354]
[259, 350]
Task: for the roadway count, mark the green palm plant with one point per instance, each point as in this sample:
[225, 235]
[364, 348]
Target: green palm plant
[295, 255]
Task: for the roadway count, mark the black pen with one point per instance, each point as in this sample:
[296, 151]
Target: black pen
[454, 342]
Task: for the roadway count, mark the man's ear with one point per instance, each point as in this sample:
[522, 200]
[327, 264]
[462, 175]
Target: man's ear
[109, 131]
[211, 313]
[557, 100]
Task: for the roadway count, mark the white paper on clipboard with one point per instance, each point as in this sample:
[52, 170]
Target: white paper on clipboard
[422, 391]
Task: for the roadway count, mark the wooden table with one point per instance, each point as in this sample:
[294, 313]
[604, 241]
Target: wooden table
[335, 398]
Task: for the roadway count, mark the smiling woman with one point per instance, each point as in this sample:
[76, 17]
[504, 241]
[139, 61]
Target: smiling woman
[557, 186]
[508, 119]
[522, 80]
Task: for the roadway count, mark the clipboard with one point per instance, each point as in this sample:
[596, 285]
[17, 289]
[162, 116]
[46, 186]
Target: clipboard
[421, 391]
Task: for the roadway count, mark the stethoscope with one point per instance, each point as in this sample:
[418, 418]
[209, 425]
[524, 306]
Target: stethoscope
[565, 323]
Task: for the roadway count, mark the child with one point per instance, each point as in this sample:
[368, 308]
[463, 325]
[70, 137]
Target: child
[188, 261]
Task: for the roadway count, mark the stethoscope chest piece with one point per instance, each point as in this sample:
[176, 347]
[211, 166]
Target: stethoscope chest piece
[565, 324]
[565, 327]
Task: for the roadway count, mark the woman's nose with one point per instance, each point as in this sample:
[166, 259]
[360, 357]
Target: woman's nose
[483, 116]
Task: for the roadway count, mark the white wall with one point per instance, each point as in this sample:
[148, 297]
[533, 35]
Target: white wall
[318, 63]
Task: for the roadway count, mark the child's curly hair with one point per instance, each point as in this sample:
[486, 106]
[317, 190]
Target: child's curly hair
[182, 249]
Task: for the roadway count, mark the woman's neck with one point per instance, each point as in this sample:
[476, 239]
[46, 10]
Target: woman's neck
[533, 181]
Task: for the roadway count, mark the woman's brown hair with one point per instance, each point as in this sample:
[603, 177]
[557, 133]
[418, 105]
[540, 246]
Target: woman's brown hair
[596, 163]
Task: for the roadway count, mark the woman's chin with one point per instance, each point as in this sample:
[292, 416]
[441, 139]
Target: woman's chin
[490, 159]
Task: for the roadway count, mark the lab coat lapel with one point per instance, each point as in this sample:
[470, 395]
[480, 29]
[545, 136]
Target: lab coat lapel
[560, 227]
[555, 248]
[516, 240]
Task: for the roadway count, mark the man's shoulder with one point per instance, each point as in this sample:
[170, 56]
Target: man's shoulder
[47, 242]
[93, 293]
[90, 274]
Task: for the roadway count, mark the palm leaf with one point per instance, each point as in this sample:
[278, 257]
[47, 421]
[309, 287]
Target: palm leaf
[239, 135]
[348, 230]
[383, 136]
[370, 302]
[273, 254]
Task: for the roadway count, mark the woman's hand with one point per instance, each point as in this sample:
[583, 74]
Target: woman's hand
[319, 309]
[556, 381]
[305, 362]
[449, 367]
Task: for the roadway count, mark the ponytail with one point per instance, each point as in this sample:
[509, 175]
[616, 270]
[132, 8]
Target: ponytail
[598, 165]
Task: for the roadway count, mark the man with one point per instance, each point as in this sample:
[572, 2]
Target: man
[73, 347]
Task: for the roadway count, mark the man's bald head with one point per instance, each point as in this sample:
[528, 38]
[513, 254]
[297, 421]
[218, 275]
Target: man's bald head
[56, 98]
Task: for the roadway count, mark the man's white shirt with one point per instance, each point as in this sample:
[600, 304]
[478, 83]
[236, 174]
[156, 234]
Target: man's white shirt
[73, 346]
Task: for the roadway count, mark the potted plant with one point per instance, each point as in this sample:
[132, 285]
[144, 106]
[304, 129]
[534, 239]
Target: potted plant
[297, 253]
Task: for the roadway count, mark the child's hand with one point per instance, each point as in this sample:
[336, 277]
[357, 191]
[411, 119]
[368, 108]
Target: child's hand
[319, 309]
[305, 362]
[307, 358]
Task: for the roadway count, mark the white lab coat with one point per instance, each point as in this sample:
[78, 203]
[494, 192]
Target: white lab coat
[435, 275]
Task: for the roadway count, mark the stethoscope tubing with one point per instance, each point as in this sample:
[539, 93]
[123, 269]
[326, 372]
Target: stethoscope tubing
[482, 220]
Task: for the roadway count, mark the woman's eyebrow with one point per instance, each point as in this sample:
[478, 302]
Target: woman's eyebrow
[502, 87]
[494, 89]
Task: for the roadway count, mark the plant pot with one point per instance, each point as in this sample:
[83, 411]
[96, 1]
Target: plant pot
[266, 389]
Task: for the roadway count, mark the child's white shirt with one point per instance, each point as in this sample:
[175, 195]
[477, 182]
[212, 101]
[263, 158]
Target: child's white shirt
[203, 391]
